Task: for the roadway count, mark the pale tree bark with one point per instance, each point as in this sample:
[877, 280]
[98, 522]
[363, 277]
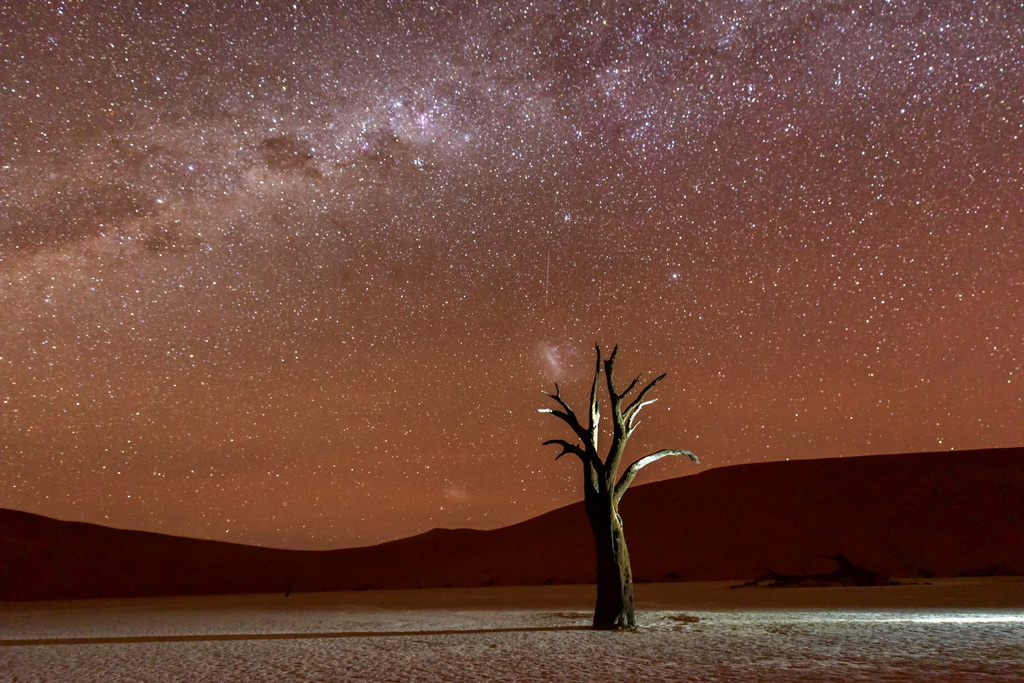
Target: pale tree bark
[603, 488]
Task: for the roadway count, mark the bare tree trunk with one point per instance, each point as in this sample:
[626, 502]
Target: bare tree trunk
[614, 608]
[601, 491]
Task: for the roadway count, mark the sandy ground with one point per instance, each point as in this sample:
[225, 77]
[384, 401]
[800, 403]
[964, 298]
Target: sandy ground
[953, 629]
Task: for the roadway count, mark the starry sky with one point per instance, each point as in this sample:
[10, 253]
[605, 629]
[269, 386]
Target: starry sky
[296, 273]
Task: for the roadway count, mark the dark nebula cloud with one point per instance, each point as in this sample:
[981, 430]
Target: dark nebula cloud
[295, 273]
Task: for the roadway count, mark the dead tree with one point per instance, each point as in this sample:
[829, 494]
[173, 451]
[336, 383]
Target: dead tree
[603, 487]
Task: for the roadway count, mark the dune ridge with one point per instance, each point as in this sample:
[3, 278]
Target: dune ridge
[947, 513]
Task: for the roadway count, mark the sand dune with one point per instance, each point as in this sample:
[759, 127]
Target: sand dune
[924, 514]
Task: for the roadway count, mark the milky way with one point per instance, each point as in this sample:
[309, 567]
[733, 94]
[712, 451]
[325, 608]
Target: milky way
[296, 273]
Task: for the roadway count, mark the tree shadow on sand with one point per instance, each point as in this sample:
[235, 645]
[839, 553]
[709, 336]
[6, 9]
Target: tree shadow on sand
[275, 636]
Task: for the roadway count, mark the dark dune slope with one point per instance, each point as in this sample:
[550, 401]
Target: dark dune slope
[942, 514]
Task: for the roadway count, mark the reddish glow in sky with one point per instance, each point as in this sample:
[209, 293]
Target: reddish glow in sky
[296, 273]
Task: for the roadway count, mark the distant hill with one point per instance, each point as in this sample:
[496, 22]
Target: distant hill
[920, 514]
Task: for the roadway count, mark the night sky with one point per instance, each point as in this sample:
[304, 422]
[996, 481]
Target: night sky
[296, 273]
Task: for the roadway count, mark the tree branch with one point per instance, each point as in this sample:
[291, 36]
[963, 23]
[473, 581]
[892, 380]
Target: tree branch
[631, 421]
[566, 415]
[630, 473]
[609, 372]
[620, 433]
[595, 407]
[567, 447]
[630, 387]
[638, 402]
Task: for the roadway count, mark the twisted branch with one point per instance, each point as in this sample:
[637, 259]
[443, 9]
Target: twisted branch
[631, 471]
[567, 447]
[566, 414]
[602, 474]
[639, 402]
[595, 408]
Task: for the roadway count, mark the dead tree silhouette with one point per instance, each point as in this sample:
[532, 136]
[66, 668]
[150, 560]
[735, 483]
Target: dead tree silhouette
[603, 488]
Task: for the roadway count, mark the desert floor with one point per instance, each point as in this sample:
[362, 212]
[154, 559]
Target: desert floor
[952, 629]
